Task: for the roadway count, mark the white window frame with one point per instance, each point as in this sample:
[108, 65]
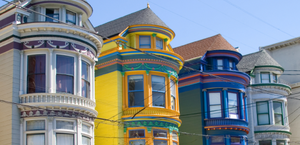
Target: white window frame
[36, 131]
[90, 135]
[65, 131]
[91, 76]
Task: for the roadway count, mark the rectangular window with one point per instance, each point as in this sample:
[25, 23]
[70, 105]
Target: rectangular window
[233, 105]
[217, 140]
[65, 125]
[265, 142]
[174, 136]
[64, 139]
[158, 91]
[35, 125]
[136, 90]
[160, 133]
[220, 64]
[85, 79]
[71, 17]
[136, 133]
[137, 142]
[230, 65]
[280, 142]
[64, 74]
[36, 78]
[173, 94]
[265, 77]
[86, 140]
[145, 41]
[159, 43]
[274, 78]
[235, 140]
[86, 129]
[215, 105]
[53, 13]
[35, 139]
[160, 142]
[278, 115]
[262, 113]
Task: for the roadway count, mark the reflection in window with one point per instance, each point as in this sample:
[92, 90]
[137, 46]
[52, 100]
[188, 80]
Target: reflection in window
[280, 142]
[136, 133]
[85, 77]
[265, 142]
[145, 42]
[217, 140]
[235, 140]
[230, 65]
[160, 133]
[64, 125]
[136, 90]
[36, 74]
[232, 105]
[159, 43]
[220, 64]
[215, 105]
[158, 91]
[173, 94]
[64, 74]
[263, 113]
[53, 13]
[86, 128]
[35, 139]
[174, 136]
[35, 125]
[277, 107]
[86, 140]
[71, 17]
[265, 77]
[64, 139]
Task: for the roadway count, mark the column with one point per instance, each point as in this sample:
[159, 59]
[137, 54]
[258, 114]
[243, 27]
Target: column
[241, 105]
[63, 14]
[50, 130]
[92, 81]
[79, 129]
[50, 73]
[79, 75]
[22, 81]
[246, 110]
[80, 20]
[21, 131]
[227, 140]
[225, 105]
[271, 112]
[205, 103]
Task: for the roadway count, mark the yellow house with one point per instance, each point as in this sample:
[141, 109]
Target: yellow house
[136, 89]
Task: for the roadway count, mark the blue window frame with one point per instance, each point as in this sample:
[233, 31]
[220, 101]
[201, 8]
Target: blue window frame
[235, 140]
[230, 64]
[135, 91]
[220, 65]
[158, 91]
[139, 133]
[215, 105]
[145, 41]
[159, 43]
[233, 105]
[217, 140]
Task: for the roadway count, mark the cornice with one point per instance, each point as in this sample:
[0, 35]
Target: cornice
[273, 86]
[282, 44]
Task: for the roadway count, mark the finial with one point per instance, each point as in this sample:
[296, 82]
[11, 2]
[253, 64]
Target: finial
[148, 6]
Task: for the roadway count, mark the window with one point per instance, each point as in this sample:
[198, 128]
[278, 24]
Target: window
[54, 13]
[86, 140]
[64, 74]
[64, 125]
[137, 142]
[278, 116]
[64, 139]
[136, 133]
[160, 142]
[36, 78]
[235, 140]
[173, 94]
[159, 43]
[35, 125]
[217, 140]
[85, 79]
[35, 138]
[71, 17]
[265, 142]
[145, 41]
[220, 64]
[136, 90]
[158, 91]
[174, 136]
[262, 113]
[233, 105]
[160, 137]
[86, 129]
[280, 142]
[215, 105]
[265, 77]
[274, 78]
[230, 65]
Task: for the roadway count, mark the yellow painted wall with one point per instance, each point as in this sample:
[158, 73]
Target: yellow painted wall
[109, 103]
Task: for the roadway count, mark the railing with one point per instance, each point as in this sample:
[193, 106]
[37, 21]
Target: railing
[236, 122]
[57, 98]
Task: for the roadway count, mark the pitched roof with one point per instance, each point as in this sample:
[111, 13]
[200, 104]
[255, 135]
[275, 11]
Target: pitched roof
[260, 58]
[144, 16]
[199, 48]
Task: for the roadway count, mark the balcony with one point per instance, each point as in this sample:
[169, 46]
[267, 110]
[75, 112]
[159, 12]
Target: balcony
[226, 122]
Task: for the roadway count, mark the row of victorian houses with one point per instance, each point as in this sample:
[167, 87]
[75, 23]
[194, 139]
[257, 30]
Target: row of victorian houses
[62, 83]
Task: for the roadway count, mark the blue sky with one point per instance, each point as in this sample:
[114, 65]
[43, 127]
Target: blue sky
[244, 24]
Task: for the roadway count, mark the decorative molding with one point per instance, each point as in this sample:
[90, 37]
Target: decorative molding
[150, 124]
[272, 134]
[41, 42]
[57, 46]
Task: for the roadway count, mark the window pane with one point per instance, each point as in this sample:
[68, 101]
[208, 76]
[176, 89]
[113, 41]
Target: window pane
[86, 128]
[274, 78]
[71, 17]
[145, 42]
[262, 107]
[64, 84]
[136, 133]
[174, 136]
[35, 139]
[86, 140]
[277, 107]
[160, 133]
[280, 142]
[137, 142]
[52, 13]
[65, 125]
[159, 43]
[217, 139]
[174, 143]
[85, 89]
[215, 111]
[214, 98]
[136, 99]
[158, 83]
[85, 73]
[230, 65]
[232, 105]
[36, 74]
[158, 99]
[135, 82]
[173, 103]
[265, 142]
[265, 77]
[65, 65]
[64, 139]
[278, 119]
[220, 63]
[235, 140]
[173, 88]
[35, 125]
[160, 142]
[263, 119]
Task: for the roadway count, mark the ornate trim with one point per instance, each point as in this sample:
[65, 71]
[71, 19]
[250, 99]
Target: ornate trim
[57, 46]
[150, 124]
[41, 42]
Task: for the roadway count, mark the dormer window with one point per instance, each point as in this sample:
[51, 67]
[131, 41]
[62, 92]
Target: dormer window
[159, 43]
[265, 77]
[54, 13]
[274, 78]
[220, 64]
[145, 42]
[71, 17]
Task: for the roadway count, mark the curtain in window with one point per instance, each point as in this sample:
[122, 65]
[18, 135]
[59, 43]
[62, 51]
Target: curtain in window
[35, 139]
[137, 142]
[65, 125]
[36, 79]
[136, 90]
[85, 76]
[86, 140]
[262, 113]
[160, 142]
[64, 74]
[232, 105]
[215, 105]
[159, 43]
[35, 125]
[145, 42]
[64, 139]
[86, 128]
[158, 91]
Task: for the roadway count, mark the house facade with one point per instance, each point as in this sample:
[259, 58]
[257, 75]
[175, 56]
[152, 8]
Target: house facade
[213, 102]
[48, 51]
[267, 96]
[136, 89]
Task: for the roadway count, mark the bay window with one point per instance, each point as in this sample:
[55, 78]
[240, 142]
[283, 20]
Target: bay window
[35, 139]
[262, 113]
[85, 79]
[158, 91]
[36, 77]
[160, 137]
[86, 132]
[145, 41]
[215, 105]
[136, 90]
[64, 74]
[265, 77]
[233, 105]
[35, 132]
[54, 13]
[65, 132]
[159, 43]
[173, 94]
[278, 115]
[220, 64]
[86, 140]
[64, 139]
[71, 17]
